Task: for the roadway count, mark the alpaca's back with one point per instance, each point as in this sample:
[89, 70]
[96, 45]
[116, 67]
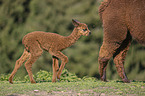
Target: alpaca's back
[45, 39]
[136, 19]
[124, 14]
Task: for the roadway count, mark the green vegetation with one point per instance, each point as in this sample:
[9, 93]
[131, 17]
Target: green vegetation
[44, 76]
[69, 84]
[73, 88]
[19, 17]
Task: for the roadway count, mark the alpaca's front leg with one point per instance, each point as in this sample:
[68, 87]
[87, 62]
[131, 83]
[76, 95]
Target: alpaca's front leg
[55, 67]
[64, 61]
[63, 58]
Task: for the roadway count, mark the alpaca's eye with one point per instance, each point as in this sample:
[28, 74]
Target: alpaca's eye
[84, 29]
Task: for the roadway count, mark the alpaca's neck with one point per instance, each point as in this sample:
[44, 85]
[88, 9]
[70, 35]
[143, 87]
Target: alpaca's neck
[72, 38]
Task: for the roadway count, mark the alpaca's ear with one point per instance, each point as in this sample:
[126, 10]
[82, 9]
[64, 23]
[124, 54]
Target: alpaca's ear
[75, 22]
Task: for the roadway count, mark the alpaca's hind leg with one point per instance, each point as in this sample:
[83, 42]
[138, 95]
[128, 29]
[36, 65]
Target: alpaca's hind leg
[119, 58]
[115, 32]
[106, 52]
[35, 52]
[18, 64]
[55, 67]
[28, 66]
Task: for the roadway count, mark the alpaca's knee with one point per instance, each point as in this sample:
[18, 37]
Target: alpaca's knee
[30, 61]
[65, 59]
[117, 60]
[103, 60]
[17, 62]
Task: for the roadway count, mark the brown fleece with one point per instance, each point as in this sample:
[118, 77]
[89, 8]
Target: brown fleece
[38, 41]
[122, 21]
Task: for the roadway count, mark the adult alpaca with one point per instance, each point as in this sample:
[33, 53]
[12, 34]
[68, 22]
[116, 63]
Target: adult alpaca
[38, 41]
[122, 20]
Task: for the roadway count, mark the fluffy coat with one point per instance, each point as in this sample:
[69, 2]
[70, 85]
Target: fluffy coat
[122, 21]
[38, 41]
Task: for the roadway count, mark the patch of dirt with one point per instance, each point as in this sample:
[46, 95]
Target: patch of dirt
[60, 93]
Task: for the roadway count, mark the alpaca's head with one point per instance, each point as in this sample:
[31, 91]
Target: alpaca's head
[81, 27]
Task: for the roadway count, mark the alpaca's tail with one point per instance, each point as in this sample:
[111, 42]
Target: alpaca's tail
[19, 63]
[24, 42]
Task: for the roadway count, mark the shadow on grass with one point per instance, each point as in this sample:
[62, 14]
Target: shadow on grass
[36, 81]
[130, 81]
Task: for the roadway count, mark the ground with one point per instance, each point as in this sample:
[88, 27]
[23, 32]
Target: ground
[81, 88]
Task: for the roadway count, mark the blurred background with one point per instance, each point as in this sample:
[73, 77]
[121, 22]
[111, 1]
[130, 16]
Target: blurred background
[19, 17]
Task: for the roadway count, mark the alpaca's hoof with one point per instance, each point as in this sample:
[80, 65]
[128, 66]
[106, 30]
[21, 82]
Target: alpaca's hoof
[11, 82]
[58, 80]
[53, 81]
[104, 79]
[126, 80]
[33, 82]
[58, 77]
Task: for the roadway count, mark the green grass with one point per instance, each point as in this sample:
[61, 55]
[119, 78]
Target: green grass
[91, 88]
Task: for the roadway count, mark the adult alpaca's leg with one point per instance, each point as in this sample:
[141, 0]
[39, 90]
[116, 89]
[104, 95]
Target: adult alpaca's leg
[18, 64]
[119, 57]
[114, 35]
[55, 67]
[106, 52]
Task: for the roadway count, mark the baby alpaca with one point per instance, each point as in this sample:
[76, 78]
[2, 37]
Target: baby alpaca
[38, 41]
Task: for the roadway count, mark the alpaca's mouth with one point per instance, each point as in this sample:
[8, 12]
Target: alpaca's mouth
[88, 34]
